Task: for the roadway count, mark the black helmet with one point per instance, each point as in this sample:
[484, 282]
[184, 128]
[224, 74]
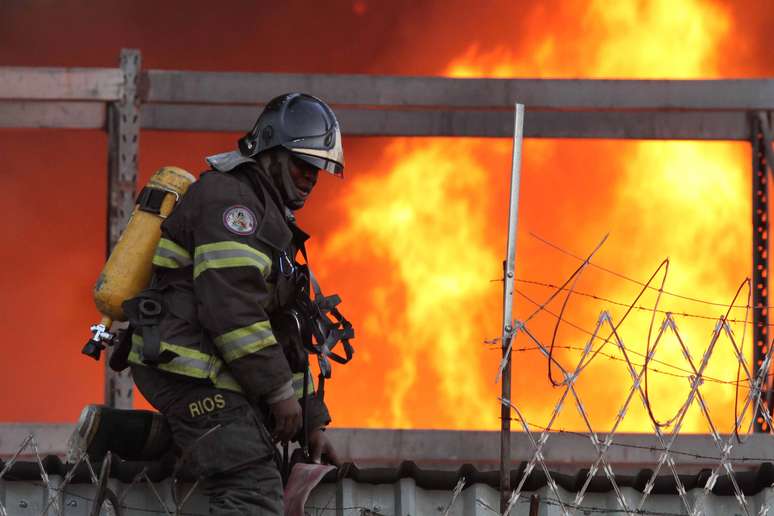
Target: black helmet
[302, 124]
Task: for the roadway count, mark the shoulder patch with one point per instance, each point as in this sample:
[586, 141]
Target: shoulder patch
[240, 220]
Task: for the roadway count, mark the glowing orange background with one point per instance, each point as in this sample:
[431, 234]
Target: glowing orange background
[413, 236]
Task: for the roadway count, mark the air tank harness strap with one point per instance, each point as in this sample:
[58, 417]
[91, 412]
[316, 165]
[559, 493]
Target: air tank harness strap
[333, 331]
[144, 313]
[151, 199]
[326, 332]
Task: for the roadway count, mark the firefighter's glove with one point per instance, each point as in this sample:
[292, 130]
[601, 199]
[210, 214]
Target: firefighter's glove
[287, 419]
[320, 447]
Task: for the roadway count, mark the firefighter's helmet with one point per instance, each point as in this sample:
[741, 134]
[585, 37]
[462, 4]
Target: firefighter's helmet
[302, 124]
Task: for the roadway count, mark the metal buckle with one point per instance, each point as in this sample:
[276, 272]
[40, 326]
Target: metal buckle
[286, 265]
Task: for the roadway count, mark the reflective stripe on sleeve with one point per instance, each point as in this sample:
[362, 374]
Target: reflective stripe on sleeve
[171, 255]
[225, 380]
[221, 255]
[243, 341]
[188, 362]
[298, 384]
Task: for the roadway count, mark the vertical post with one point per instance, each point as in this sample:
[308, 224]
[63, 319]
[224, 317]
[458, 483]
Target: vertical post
[509, 271]
[760, 212]
[534, 504]
[123, 126]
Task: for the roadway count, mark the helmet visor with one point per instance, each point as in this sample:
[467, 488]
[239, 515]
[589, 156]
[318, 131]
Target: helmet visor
[330, 160]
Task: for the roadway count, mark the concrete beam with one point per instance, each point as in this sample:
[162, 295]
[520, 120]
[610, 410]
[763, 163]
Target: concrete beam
[52, 114]
[563, 451]
[51, 438]
[103, 84]
[373, 90]
[645, 125]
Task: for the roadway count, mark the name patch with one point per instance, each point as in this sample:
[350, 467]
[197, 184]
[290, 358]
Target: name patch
[206, 405]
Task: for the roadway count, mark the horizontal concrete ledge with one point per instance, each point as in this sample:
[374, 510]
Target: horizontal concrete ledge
[562, 451]
[642, 125]
[448, 448]
[50, 438]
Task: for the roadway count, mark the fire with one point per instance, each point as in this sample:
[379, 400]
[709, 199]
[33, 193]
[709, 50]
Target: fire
[414, 237]
[437, 255]
[429, 217]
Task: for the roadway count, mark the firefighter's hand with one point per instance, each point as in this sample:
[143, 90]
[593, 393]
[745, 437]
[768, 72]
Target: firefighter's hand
[287, 419]
[319, 445]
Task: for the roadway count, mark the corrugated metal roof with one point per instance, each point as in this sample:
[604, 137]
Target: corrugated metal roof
[407, 491]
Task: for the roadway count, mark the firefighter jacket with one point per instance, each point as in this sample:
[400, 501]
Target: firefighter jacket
[223, 269]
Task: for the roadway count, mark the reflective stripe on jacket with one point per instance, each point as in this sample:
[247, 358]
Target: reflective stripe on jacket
[213, 267]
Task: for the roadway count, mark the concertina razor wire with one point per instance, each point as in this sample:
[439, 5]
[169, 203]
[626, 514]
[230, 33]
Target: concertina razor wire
[105, 501]
[755, 385]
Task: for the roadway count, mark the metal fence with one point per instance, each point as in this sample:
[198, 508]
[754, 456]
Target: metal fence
[606, 340]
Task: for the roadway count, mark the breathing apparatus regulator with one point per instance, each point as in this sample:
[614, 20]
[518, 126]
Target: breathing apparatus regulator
[128, 269]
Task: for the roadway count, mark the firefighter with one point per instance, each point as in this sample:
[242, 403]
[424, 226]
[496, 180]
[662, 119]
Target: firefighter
[210, 347]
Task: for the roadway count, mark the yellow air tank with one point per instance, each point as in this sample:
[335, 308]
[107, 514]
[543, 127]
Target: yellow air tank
[128, 270]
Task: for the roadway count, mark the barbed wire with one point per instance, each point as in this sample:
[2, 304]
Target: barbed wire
[652, 449]
[687, 373]
[687, 376]
[604, 510]
[654, 310]
[63, 491]
[632, 280]
[459, 487]
[636, 307]
[723, 321]
[318, 509]
[755, 382]
[71, 494]
[584, 508]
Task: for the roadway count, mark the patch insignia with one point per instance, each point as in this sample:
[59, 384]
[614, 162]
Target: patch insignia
[239, 220]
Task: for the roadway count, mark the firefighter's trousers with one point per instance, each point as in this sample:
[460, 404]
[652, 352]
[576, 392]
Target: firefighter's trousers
[236, 460]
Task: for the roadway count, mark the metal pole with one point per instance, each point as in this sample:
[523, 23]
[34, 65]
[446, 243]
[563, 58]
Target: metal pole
[509, 270]
[123, 126]
[534, 504]
[762, 172]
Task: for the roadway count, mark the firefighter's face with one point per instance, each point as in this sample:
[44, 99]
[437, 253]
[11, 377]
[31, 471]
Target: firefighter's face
[304, 176]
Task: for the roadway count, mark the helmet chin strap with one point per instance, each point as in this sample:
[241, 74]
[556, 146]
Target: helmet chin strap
[278, 165]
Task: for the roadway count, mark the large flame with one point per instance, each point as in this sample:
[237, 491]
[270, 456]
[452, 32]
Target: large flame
[414, 237]
[426, 222]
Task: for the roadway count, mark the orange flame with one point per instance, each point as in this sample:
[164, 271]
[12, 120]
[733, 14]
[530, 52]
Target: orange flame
[433, 231]
[421, 228]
